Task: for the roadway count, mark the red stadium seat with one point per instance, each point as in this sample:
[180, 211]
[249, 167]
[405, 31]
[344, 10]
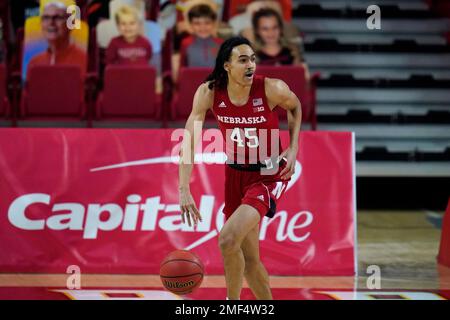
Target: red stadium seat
[129, 94]
[54, 93]
[188, 81]
[4, 102]
[294, 76]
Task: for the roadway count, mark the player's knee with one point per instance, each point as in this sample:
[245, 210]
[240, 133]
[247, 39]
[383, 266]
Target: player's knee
[251, 264]
[228, 244]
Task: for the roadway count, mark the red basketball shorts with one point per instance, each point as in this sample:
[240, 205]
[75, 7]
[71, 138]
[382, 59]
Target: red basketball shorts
[254, 189]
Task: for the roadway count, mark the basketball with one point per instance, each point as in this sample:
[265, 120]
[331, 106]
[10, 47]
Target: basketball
[181, 272]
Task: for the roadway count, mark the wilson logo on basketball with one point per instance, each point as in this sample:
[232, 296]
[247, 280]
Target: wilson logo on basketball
[178, 285]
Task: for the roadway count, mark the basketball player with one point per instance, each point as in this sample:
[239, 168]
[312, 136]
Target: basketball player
[243, 104]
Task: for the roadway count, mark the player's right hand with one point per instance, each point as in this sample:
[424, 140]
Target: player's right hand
[188, 208]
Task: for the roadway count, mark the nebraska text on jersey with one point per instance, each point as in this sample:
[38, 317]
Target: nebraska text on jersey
[242, 120]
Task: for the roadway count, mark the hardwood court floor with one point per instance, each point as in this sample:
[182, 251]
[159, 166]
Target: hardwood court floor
[404, 245]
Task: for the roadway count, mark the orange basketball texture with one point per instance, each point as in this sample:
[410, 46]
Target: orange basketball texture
[181, 272]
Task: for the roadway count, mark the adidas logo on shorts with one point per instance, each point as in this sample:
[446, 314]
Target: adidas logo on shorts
[261, 197]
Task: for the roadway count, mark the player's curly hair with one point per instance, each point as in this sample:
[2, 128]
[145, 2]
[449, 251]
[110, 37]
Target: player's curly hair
[219, 77]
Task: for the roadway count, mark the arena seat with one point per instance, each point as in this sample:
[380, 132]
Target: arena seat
[294, 76]
[54, 93]
[129, 94]
[188, 81]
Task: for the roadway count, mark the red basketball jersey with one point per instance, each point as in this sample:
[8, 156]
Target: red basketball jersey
[251, 131]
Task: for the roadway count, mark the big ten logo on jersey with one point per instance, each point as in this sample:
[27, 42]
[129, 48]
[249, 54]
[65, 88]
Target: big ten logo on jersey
[258, 105]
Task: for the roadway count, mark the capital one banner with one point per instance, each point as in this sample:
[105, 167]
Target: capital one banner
[106, 200]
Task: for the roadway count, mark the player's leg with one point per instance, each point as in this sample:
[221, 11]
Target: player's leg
[255, 272]
[237, 227]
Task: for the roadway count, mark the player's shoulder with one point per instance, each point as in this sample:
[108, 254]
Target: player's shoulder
[275, 88]
[205, 90]
[205, 95]
[275, 84]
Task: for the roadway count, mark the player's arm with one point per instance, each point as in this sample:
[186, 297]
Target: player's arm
[279, 94]
[203, 100]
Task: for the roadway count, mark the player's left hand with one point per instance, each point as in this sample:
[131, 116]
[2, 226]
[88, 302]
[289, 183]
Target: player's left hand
[188, 208]
[291, 156]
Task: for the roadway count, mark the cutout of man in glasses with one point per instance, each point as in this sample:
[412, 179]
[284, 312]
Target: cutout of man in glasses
[61, 49]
